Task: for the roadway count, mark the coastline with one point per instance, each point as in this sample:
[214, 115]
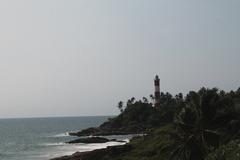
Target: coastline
[172, 130]
[113, 145]
[123, 125]
[94, 154]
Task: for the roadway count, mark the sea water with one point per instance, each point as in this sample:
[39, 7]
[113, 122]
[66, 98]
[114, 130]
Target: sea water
[44, 138]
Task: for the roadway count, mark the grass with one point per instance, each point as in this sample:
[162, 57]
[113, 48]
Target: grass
[150, 147]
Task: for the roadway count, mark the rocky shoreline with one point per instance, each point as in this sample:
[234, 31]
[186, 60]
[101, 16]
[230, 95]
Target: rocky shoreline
[88, 136]
[96, 154]
[120, 125]
[169, 132]
[102, 132]
[94, 140]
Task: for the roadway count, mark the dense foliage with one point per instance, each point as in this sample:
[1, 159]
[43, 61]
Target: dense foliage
[202, 124]
[229, 151]
[140, 116]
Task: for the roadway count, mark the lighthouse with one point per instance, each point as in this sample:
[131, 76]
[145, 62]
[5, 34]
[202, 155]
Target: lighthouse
[157, 91]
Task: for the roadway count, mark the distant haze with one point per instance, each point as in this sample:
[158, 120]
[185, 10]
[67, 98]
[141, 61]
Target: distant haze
[80, 57]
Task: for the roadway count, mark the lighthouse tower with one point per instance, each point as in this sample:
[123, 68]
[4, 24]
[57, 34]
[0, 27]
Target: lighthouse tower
[157, 91]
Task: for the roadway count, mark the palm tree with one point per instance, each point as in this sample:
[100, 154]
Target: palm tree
[145, 100]
[179, 97]
[120, 106]
[195, 124]
[132, 100]
[152, 97]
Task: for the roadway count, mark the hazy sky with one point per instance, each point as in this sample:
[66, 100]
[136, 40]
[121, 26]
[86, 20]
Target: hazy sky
[80, 57]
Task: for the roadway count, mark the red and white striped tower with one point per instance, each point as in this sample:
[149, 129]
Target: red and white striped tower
[157, 91]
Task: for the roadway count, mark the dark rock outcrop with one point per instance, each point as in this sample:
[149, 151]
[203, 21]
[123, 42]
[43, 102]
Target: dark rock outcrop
[93, 140]
[102, 132]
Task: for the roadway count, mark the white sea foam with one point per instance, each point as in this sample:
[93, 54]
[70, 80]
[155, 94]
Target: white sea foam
[53, 144]
[69, 149]
[66, 134]
[62, 149]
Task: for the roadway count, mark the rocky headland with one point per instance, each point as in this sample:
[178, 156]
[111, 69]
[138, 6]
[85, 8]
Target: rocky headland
[204, 125]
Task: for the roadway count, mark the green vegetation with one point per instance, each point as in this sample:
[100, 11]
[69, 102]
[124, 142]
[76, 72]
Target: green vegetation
[230, 151]
[203, 125]
[140, 116]
[155, 146]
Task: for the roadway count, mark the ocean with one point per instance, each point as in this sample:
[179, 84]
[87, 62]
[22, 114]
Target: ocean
[44, 138]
